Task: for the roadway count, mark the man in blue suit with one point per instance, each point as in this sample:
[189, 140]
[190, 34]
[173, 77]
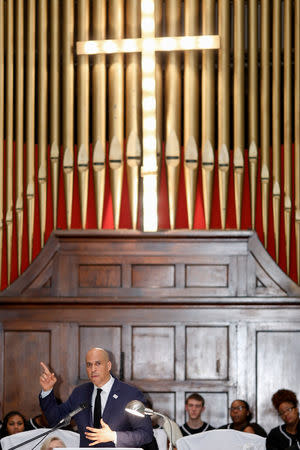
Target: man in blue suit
[116, 428]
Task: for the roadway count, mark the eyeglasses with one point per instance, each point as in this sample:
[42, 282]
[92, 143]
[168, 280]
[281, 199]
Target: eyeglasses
[281, 414]
[237, 408]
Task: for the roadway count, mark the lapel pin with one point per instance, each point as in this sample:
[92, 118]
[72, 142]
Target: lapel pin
[115, 396]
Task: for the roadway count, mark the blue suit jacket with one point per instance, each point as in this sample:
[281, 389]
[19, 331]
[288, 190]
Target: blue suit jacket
[131, 431]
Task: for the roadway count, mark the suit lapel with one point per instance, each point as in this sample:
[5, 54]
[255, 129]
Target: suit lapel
[88, 411]
[112, 397]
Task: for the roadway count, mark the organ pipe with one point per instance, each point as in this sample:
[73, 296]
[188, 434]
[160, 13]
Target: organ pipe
[191, 110]
[116, 108]
[19, 205]
[99, 110]
[223, 107]
[37, 115]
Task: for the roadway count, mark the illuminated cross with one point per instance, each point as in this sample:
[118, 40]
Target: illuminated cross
[148, 44]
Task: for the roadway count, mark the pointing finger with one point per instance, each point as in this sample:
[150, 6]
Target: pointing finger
[45, 368]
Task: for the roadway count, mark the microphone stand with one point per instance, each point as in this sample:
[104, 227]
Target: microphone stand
[150, 412]
[169, 422]
[59, 425]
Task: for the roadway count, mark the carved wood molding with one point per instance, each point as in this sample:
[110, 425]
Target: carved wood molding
[174, 267]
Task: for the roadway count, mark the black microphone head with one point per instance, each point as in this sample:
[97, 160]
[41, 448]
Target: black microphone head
[84, 405]
[66, 420]
[80, 408]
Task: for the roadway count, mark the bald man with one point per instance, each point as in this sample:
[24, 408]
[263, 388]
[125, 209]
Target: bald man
[116, 428]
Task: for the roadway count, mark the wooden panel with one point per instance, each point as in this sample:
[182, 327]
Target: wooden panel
[163, 402]
[65, 276]
[181, 309]
[206, 353]
[153, 276]
[202, 275]
[278, 362]
[151, 346]
[126, 267]
[133, 331]
[216, 408]
[100, 276]
[23, 351]
[108, 338]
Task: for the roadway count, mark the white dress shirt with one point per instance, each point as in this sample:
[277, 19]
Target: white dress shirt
[104, 395]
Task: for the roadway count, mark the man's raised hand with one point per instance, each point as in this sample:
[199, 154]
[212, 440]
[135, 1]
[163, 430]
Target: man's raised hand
[47, 379]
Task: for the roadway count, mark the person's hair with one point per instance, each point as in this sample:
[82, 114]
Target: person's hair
[148, 402]
[50, 439]
[196, 397]
[284, 395]
[246, 404]
[3, 431]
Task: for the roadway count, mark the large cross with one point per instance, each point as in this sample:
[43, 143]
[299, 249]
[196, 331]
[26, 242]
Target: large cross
[148, 44]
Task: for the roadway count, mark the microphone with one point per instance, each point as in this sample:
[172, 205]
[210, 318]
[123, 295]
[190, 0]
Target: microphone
[67, 419]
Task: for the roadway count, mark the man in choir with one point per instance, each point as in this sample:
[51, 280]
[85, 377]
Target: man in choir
[194, 406]
[104, 423]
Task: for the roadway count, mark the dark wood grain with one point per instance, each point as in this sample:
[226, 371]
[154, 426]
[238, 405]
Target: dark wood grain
[179, 312]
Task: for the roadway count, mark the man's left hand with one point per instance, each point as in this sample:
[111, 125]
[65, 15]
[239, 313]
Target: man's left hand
[98, 435]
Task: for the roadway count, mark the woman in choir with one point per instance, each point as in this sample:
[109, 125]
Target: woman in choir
[287, 435]
[241, 419]
[14, 422]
